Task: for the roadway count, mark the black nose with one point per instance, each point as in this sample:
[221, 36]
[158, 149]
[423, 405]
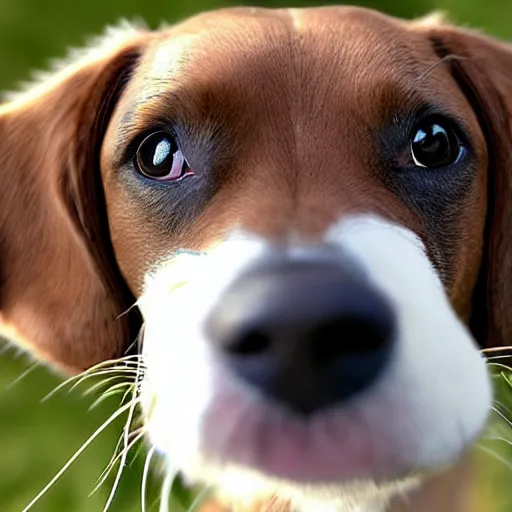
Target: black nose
[308, 334]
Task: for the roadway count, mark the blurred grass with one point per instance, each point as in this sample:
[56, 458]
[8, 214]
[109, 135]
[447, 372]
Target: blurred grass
[494, 492]
[36, 439]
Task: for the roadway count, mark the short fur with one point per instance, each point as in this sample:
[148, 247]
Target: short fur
[79, 233]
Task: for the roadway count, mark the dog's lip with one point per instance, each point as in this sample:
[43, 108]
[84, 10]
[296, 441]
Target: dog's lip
[327, 448]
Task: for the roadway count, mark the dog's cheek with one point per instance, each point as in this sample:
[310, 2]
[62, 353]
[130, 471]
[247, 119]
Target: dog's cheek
[181, 376]
[437, 365]
[177, 383]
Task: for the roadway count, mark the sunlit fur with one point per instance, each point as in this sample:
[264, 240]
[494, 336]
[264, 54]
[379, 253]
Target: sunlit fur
[417, 417]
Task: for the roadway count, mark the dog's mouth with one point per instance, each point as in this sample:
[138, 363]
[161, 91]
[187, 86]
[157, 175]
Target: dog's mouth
[332, 446]
[375, 408]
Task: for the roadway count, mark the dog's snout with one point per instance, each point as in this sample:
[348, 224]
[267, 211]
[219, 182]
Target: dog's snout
[308, 334]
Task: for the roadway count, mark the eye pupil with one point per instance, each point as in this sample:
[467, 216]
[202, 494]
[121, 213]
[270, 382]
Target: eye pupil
[159, 157]
[434, 146]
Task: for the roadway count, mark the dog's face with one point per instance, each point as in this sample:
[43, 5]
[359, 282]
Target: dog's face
[298, 202]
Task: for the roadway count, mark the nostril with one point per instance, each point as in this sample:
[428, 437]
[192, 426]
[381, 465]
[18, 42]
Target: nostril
[251, 343]
[347, 336]
[307, 334]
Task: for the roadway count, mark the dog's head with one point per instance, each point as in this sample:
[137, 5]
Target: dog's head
[312, 210]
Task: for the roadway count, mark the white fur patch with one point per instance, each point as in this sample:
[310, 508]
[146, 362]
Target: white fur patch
[425, 410]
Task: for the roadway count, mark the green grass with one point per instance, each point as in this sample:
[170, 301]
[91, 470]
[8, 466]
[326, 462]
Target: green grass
[495, 463]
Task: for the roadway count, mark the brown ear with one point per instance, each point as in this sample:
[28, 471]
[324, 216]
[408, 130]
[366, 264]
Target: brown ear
[483, 69]
[60, 289]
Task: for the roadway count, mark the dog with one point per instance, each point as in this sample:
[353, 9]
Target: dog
[310, 209]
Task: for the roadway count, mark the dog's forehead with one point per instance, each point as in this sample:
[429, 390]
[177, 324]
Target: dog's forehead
[260, 64]
[226, 39]
[338, 46]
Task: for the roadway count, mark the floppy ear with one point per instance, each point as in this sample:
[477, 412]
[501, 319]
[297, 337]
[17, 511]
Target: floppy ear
[483, 69]
[60, 289]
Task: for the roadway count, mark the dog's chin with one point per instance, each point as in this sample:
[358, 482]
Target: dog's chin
[241, 488]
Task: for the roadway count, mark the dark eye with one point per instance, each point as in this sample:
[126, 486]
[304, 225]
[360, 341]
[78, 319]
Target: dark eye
[159, 158]
[434, 145]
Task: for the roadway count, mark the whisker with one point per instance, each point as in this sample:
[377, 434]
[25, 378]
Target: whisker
[140, 340]
[495, 455]
[115, 371]
[105, 382]
[142, 447]
[500, 366]
[500, 356]
[491, 350]
[503, 407]
[116, 450]
[501, 415]
[18, 379]
[497, 438]
[111, 461]
[106, 472]
[446, 58]
[199, 499]
[125, 451]
[166, 492]
[115, 366]
[145, 475]
[77, 454]
[114, 390]
[133, 388]
[124, 313]
[137, 341]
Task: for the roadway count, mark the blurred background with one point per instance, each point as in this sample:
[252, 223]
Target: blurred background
[37, 438]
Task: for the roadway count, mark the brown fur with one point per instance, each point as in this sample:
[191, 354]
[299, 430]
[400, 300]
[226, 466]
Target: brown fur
[75, 240]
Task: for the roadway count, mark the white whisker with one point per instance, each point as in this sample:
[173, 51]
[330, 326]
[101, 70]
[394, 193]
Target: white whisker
[111, 461]
[106, 472]
[115, 390]
[145, 475]
[166, 492]
[124, 453]
[198, 499]
[77, 454]
[491, 350]
[501, 356]
[497, 438]
[495, 455]
[502, 416]
[105, 382]
[18, 379]
[115, 371]
[124, 313]
[109, 367]
[137, 341]
[499, 366]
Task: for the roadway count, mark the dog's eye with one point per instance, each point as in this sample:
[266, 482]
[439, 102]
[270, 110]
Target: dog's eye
[159, 158]
[435, 145]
